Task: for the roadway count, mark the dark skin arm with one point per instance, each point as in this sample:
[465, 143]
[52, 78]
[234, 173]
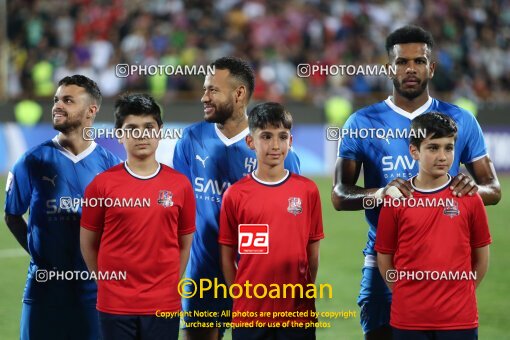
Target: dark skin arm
[18, 227]
[346, 195]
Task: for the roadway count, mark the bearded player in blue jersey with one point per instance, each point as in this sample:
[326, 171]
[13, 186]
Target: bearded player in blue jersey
[387, 165]
[45, 180]
[213, 154]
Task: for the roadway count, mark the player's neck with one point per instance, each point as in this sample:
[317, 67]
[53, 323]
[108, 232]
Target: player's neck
[73, 141]
[234, 125]
[142, 167]
[410, 105]
[427, 182]
[270, 174]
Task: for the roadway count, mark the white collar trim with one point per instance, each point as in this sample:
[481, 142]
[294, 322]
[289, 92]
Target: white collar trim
[74, 158]
[433, 189]
[409, 115]
[287, 174]
[131, 172]
[230, 141]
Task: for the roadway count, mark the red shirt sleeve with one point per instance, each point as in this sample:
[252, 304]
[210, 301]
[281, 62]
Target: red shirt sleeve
[187, 214]
[228, 220]
[92, 218]
[316, 227]
[479, 224]
[387, 231]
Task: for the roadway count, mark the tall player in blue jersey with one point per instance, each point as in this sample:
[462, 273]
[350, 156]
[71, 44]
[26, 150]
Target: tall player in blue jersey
[213, 154]
[45, 180]
[387, 163]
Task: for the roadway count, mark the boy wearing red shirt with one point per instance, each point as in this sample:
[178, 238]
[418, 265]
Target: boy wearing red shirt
[149, 242]
[270, 227]
[433, 258]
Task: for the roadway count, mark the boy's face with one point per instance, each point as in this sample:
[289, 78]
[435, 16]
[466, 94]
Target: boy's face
[146, 128]
[271, 144]
[434, 155]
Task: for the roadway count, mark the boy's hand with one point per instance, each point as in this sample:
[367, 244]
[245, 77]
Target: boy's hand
[463, 185]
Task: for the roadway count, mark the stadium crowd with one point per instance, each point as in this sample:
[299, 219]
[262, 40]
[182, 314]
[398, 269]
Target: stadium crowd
[49, 39]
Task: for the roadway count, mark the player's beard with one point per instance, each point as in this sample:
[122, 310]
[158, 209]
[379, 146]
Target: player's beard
[69, 124]
[222, 112]
[413, 93]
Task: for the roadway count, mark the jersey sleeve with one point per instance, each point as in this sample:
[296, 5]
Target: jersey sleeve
[18, 188]
[181, 161]
[316, 227]
[292, 162]
[187, 214]
[92, 218]
[475, 143]
[479, 224]
[387, 231]
[350, 148]
[228, 220]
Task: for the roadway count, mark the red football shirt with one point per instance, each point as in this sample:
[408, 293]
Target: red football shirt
[289, 217]
[142, 241]
[439, 240]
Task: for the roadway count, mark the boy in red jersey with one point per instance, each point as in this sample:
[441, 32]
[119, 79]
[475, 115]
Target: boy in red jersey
[149, 242]
[433, 258]
[270, 227]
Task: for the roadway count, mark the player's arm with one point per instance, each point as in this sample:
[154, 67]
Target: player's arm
[228, 263]
[89, 245]
[346, 195]
[18, 227]
[313, 258]
[480, 263]
[385, 263]
[184, 246]
[485, 181]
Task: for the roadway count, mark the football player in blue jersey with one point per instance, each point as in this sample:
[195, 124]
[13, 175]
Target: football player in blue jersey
[213, 154]
[387, 164]
[47, 180]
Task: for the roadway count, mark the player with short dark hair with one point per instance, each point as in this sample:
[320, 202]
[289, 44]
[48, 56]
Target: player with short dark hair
[387, 165]
[213, 155]
[285, 210]
[45, 180]
[450, 236]
[149, 242]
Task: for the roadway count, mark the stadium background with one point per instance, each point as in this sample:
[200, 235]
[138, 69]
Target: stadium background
[42, 41]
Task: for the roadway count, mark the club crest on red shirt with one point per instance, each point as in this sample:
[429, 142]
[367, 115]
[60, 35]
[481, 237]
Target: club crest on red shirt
[451, 210]
[165, 198]
[295, 206]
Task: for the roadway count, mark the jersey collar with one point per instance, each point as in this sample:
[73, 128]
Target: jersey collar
[271, 184]
[408, 115]
[433, 190]
[131, 172]
[233, 140]
[74, 158]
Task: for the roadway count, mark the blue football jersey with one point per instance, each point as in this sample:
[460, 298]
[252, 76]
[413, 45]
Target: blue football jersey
[45, 180]
[212, 163]
[387, 159]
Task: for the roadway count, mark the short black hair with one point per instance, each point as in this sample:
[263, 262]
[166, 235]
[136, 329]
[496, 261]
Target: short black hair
[435, 124]
[270, 113]
[409, 34]
[239, 69]
[88, 84]
[136, 104]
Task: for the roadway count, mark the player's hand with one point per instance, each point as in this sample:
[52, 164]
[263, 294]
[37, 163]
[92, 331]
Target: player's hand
[463, 185]
[403, 186]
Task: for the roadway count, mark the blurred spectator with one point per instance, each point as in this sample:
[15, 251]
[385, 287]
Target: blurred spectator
[50, 39]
